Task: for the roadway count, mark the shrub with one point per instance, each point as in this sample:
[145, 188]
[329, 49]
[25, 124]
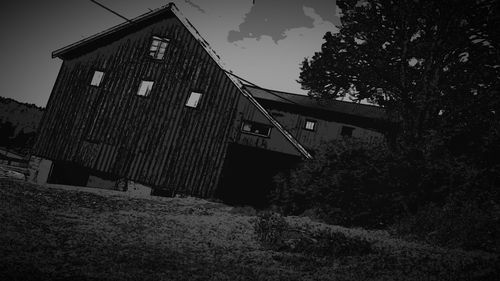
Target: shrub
[349, 182]
[467, 224]
[352, 182]
[270, 228]
[443, 196]
[275, 233]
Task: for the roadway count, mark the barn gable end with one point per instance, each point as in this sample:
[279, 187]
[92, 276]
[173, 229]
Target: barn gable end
[112, 130]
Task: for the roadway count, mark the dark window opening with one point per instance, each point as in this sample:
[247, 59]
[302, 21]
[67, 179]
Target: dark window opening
[255, 128]
[158, 47]
[346, 131]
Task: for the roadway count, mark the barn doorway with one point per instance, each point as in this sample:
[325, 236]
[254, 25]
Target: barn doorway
[68, 173]
[247, 175]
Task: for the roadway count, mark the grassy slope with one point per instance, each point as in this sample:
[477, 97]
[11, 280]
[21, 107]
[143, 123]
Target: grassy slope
[56, 234]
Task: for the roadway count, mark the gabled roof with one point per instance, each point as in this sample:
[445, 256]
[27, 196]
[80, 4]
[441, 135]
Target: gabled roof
[113, 32]
[336, 106]
[144, 20]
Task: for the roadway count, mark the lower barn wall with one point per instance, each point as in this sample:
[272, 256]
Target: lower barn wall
[44, 171]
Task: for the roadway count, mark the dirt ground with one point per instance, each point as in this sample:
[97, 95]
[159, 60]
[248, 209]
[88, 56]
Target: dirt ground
[63, 233]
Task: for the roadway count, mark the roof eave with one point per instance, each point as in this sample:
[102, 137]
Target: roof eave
[61, 52]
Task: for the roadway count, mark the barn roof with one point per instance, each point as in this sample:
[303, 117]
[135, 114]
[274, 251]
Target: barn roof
[336, 106]
[111, 33]
[139, 22]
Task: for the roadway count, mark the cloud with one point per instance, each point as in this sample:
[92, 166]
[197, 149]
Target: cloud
[276, 65]
[262, 59]
[274, 18]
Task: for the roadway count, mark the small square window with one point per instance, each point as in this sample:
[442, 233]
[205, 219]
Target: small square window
[346, 131]
[310, 125]
[145, 88]
[256, 128]
[193, 100]
[158, 47]
[97, 78]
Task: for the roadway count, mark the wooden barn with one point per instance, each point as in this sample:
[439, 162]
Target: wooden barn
[148, 107]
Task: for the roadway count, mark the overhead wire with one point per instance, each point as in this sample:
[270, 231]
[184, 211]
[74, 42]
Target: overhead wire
[111, 11]
[260, 88]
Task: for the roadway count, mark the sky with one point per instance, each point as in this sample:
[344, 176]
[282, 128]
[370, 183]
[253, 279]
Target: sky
[263, 42]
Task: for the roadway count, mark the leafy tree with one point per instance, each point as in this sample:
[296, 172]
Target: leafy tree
[435, 67]
[433, 64]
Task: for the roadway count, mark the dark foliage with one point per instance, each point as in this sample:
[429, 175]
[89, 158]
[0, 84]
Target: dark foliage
[435, 67]
[432, 64]
[457, 224]
[428, 193]
[270, 229]
[345, 184]
[20, 141]
[275, 233]
[18, 124]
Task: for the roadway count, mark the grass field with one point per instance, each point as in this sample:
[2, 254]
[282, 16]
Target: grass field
[67, 234]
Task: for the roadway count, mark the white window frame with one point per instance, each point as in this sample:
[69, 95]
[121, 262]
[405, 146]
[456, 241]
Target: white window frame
[97, 78]
[194, 100]
[145, 88]
[158, 47]
[310, 125]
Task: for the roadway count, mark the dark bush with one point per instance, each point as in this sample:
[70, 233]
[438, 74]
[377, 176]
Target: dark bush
[275, 233]
[469, 224]
[349, 182]
[428, 192]
[270, 228]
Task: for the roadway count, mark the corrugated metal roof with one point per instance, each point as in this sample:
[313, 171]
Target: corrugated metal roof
[350, 108]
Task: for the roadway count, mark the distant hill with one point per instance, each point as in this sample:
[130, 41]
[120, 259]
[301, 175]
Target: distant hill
[18, 124]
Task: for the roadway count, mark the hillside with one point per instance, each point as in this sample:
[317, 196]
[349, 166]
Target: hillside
[18, 124]
[70, 233]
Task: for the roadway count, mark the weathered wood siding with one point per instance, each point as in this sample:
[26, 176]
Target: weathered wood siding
[154, 140]
[325, 130]
[275, 142]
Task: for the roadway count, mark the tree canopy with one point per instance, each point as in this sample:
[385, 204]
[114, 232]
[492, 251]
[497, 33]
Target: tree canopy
[433, 64]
